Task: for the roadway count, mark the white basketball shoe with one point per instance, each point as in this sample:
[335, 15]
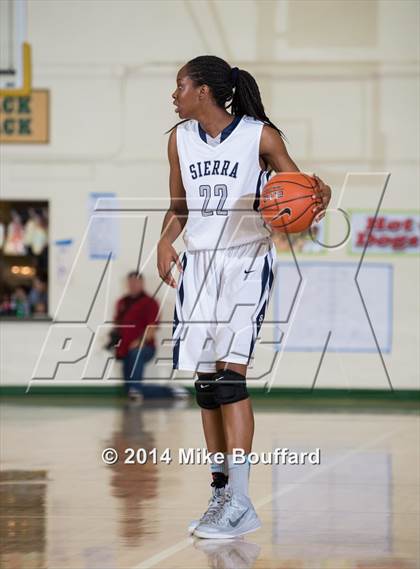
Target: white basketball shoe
[236, 517]
[215, 503]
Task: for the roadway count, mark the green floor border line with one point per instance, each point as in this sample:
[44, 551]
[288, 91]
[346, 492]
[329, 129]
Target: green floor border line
[411, 395]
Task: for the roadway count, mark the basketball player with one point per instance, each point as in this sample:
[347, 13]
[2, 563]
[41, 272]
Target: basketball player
[219, 162]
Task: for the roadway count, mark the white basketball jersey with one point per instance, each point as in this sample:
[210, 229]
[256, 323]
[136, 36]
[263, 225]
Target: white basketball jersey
[222, 184]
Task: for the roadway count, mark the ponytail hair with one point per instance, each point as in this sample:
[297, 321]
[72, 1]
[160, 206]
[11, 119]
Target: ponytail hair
[246, 99]
[230, 87]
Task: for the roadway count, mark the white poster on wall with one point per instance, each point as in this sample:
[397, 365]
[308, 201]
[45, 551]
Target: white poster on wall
[328, 299]
[104, 228]
[63, 252]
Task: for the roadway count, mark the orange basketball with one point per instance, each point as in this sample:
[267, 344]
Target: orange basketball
[286, 202]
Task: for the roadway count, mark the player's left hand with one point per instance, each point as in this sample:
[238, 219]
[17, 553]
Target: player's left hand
[323, 194]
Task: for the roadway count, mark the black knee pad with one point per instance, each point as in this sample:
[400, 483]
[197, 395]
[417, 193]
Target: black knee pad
[230, 387]
[205, 392]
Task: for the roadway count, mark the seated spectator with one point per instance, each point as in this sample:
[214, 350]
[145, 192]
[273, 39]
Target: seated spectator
[38, 298]
[6, 305]
[20, 304]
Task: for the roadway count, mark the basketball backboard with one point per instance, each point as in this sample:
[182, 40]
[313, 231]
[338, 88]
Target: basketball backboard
[15, 51]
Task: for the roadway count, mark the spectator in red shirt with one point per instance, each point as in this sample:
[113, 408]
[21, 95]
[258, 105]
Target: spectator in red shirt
[136, 315]
[136, 318]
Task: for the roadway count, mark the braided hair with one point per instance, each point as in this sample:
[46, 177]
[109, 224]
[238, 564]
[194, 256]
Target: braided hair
[230, 87]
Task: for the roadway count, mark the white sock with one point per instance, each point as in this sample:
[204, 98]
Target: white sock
[239, 475]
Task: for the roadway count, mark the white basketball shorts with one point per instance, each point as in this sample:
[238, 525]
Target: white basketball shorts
[221, 300]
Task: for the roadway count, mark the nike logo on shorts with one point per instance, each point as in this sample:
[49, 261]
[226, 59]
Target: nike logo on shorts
[247, 272]
[204, 386]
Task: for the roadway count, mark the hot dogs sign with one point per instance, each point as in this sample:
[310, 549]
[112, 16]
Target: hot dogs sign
[390, 232]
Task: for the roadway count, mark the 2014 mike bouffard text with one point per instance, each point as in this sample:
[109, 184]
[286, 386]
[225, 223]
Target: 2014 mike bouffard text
[203, 456]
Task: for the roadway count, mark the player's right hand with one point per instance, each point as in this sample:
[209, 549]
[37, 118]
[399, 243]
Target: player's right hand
[166, 258]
